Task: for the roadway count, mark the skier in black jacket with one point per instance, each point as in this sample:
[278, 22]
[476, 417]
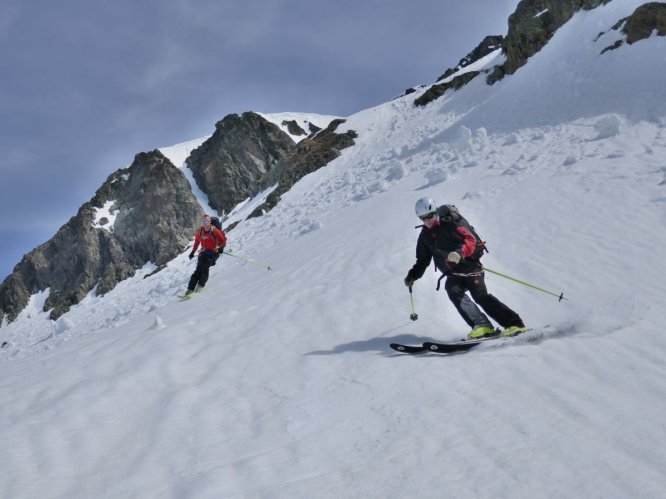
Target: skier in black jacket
[451, 243]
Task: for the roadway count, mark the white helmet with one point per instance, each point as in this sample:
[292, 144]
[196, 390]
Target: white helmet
[425, 206]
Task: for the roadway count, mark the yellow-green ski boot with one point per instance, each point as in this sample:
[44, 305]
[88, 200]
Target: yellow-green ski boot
[513, 331]
[481, 332]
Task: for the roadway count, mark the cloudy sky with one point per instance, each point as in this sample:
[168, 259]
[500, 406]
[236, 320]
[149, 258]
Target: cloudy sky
[87, 84]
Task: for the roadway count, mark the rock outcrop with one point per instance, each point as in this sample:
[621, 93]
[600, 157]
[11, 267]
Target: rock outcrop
[248, 154]
[436, 91]
[647, 19]
[233, 161]
[294, 128]
[487, 46]
[531, 26]
[155, 214]
[308, 156]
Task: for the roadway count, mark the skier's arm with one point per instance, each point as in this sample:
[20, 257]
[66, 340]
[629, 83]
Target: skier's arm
[423, 259]
[468, 245]
[197, 241]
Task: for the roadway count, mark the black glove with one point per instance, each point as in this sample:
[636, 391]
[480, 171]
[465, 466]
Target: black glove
[409, 280]
[191, 255]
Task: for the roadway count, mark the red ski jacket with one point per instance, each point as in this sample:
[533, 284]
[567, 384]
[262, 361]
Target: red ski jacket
[213, 239]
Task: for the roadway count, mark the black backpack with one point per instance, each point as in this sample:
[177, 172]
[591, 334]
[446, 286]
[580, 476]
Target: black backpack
[449, 213]
[216, 222]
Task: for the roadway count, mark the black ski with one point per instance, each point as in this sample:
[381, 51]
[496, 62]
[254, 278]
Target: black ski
[449, 346]
[452, 346]
[408, 348]
[439, 347]
[431, 346]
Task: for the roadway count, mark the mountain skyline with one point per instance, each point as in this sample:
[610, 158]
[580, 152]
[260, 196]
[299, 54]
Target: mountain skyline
[79, 102]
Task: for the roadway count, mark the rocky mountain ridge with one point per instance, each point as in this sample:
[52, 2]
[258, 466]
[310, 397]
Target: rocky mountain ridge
[530, 27]
[155, 212]
[154, 209]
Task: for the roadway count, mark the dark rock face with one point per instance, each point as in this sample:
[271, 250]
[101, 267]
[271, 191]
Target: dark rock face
[488, 45]
[437, 91]
[155, 217]
[294, 128]
[308, 156]
[230, 164]
[313, 128]
[531, 26]
[645, 20]
[248, 154]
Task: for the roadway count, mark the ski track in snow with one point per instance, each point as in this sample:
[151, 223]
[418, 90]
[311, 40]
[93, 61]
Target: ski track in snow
[281, 384]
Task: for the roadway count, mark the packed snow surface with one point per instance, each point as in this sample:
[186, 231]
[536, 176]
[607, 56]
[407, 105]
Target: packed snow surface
[280, 383]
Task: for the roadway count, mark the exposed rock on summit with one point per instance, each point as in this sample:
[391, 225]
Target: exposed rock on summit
[248, 154]
[308, 156]
[531, 26]
[155, 212]
[487, 46]
[294, 128]
[234, 160]
[645, 20]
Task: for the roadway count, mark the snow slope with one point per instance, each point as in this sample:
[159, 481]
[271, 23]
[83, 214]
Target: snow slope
[280, 383]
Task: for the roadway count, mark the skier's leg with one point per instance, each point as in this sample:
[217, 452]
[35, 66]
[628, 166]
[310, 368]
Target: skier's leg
[206, 262]
[196, 275]
[455, 288]
[504, 316]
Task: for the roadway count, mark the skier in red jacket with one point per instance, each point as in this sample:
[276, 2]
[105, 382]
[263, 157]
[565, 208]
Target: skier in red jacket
[212, 241]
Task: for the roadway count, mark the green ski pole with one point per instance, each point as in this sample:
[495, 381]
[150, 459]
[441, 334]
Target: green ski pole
[247, 260]
[560, 296]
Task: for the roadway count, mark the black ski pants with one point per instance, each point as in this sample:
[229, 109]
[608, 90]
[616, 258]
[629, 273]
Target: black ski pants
[200, 275]
[457, 286]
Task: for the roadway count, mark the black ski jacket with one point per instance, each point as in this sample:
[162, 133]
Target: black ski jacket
[436, 243]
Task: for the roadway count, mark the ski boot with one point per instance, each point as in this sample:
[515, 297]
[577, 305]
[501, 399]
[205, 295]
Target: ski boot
[481, 332]
[513, 331]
